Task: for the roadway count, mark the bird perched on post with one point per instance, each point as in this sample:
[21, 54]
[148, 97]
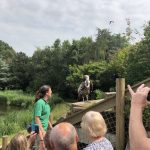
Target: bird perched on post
[84, 88]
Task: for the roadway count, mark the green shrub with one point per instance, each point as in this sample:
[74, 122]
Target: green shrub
[60, 110]
[98, 94]
[20, 99]
[55, 99]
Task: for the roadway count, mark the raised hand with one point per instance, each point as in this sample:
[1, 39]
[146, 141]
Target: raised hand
[139, 98]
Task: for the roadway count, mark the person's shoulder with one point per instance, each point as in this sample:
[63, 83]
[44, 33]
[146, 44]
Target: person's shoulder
[87, 148]
[102, 144]
[108, 143]
[40, 101]
[106, 140]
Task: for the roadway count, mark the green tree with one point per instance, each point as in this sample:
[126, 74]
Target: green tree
[38, 68]
[79, 51]
[20, 70]
[6, 52]
[76, 72]
[107, 44]
[139, 60]
[50, 66]
[4, 75]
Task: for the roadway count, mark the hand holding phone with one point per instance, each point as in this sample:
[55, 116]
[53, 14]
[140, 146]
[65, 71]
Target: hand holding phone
[33, 128]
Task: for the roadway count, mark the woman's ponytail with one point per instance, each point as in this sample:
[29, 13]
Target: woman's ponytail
[41, 92]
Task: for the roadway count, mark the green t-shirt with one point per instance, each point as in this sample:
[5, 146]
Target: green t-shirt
[42, 109]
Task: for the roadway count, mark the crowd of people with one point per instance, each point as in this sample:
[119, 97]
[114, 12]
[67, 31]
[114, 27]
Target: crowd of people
[64, 136]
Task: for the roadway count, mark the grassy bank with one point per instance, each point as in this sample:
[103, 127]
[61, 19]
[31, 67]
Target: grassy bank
[17, 121]
[60, 110]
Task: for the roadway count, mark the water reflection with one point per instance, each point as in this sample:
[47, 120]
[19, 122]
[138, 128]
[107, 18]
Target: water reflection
[6, 109]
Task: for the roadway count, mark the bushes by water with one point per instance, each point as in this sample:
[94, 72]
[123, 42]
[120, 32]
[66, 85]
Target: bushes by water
[18, 120]
[15, 98]
[20, 99]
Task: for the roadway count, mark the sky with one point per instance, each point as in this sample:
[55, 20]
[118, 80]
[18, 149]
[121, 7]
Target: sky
[30, 24]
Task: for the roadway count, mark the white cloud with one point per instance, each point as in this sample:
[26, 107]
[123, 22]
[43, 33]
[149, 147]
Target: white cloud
[27, 24]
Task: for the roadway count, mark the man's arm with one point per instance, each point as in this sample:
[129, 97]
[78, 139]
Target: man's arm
[137, 133]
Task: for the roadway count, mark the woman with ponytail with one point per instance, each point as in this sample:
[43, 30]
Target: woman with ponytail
[41, 114]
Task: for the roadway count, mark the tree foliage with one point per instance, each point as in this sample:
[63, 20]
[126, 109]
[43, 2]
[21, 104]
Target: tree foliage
[20, 70]
[63, 64]
[107, 44]
[139, 60]
[76, 73]
[6, 52]
[4, 75]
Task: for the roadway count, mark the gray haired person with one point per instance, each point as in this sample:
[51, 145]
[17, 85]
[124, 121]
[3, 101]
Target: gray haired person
[94, 126]
[63, 137]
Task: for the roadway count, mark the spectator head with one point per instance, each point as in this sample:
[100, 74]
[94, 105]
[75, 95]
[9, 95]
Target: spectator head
[63, 137]
[93, 124]
[18, 142]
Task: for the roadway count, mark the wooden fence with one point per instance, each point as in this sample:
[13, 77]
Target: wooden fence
[5, 141]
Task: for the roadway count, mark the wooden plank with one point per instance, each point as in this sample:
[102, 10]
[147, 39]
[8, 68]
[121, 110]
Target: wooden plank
[81, 104]
[75, 109]
[120, 123]
[101, 106]
[86, 103]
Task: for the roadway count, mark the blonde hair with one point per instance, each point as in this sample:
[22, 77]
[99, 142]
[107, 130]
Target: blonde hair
[18, 142]
[94, 124]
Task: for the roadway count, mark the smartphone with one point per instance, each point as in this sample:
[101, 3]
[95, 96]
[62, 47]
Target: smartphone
[33, 128]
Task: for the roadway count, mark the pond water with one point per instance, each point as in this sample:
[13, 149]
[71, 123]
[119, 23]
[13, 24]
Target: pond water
[4, 110]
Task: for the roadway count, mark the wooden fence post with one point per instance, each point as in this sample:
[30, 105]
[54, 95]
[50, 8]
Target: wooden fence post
[4, 142]
[120, 122]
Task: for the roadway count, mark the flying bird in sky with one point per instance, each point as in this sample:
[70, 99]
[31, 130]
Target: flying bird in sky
[111, 21]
